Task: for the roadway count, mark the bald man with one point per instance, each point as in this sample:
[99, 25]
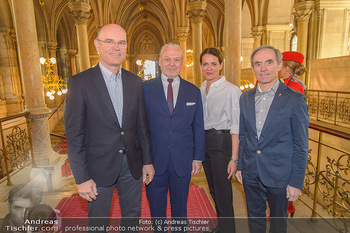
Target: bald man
[107, 132]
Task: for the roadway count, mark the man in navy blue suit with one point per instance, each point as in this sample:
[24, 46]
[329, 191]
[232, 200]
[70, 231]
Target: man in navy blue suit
[273, 147]
[175, 119]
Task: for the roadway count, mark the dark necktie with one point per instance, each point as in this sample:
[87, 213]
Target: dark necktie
[170, 96]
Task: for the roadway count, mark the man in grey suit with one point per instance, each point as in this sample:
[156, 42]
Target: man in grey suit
[107, 132]
[273, 147]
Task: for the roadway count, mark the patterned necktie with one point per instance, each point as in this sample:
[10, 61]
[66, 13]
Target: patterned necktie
[170, 96]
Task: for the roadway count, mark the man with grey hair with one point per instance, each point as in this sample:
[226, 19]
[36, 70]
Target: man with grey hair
[175, 119]
[273, 148]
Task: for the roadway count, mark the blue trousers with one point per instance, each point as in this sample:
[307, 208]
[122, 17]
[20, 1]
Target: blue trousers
[256, 196]
[157, 192]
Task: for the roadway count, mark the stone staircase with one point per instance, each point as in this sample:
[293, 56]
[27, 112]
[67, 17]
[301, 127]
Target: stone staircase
[68, 186]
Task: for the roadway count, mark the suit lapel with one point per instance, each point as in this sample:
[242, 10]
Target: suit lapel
[180, 102]
[275, 105]
[101, 87]
[127, 91]
[251, 108]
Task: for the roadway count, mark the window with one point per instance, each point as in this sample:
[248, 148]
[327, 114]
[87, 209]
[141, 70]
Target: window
[294, 42]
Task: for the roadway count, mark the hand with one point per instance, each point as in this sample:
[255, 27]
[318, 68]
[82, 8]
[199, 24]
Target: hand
[231, 169]
[88, 190]
[196, 167]
[293, 193]
[148, 173]
[239, 177]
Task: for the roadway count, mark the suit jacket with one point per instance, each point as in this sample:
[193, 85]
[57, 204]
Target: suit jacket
[95, 140]
[178, 136]
[279, 156]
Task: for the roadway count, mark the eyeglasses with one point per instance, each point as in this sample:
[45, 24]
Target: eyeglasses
[121, 43]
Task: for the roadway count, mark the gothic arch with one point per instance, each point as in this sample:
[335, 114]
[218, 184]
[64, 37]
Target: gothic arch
[139, 34]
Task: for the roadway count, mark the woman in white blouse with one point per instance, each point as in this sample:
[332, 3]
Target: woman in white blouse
[221, 124]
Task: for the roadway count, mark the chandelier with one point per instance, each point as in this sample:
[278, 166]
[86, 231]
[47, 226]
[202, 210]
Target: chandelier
[245, 85]
[52, 82]
[141, 70]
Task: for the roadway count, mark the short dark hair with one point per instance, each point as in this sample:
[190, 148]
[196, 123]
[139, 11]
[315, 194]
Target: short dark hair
[212, 51]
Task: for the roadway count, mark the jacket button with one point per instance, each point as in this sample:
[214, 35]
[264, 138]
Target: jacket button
[122, 133]
[168, 147]
[259, 152]
[171, 132]
[121, 151]
[256, 137]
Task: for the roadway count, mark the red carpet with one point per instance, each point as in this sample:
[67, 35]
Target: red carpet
[198, 206]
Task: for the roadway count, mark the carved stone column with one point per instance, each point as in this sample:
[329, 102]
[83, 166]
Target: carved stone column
[52, 47]
[302, 12]
[81, 13]
[288, 36]
[196, 13]
[182, 34]
[257, 33]
[10, 89]
[62, 72]
[233, 12]
[63, 63]
[72, 61]
[126, 62]
[132, 63]
[28, 49]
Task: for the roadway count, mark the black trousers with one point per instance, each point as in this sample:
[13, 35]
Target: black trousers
[218, 152]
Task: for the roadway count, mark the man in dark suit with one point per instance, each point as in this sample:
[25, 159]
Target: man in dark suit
[273, 146]
[175, 118]
[107, 131]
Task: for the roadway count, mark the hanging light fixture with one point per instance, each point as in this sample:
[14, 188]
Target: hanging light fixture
[245, 85]
[53, 84]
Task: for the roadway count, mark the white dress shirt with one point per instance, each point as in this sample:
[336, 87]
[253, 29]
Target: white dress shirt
[221, 106]
[175, 85]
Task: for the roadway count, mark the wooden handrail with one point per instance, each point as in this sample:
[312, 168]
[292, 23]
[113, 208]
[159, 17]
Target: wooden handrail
[57, 135]
[23, 114]
[329, 130]
[340, 92]
[58, 107]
